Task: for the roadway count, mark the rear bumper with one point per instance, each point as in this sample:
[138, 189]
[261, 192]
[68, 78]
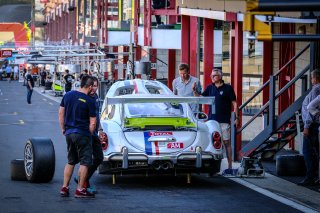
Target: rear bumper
[187, 162]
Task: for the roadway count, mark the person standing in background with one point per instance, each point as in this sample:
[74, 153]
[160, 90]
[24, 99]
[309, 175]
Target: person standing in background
[16, 72]
[30, 85]
[183, 85]
[310, 147]
[68, 79]
[225, 100]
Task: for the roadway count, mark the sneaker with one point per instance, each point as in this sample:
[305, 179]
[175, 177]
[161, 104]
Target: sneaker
[64, 192]
[228, 172]
[92, 190]
[83, 193]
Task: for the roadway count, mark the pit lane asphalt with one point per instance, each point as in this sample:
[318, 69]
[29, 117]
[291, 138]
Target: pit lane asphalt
[20, 121]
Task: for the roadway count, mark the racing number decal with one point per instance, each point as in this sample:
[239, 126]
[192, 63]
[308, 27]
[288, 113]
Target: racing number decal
[175, 145]
[169, 145]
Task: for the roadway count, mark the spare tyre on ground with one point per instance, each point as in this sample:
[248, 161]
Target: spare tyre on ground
[290, 165]
[17, 170]
[39, 160]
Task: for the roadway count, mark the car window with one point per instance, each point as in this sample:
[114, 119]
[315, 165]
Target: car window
[112, 110]
[154, 110]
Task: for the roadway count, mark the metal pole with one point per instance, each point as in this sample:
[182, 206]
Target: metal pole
[33, 23]
[312, 55]
[233, 137]
[283, 5]
[294, 37]
[272, 103]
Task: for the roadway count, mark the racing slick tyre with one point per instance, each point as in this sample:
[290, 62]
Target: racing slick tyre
[17, 170]
[39, 160]
[290, 165]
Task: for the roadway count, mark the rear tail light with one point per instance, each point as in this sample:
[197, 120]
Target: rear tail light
[104, 145]
[104, 140]
[216, 136]
[216, 140]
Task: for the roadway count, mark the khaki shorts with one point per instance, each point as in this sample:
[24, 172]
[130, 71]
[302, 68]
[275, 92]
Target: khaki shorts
[226, 131]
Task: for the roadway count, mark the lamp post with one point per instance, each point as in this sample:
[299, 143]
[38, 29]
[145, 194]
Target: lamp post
[33, 5]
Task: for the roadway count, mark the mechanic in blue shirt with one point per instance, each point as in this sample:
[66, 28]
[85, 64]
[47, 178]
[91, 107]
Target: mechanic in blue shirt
[225, 99]
[97, 153]
[77, 118]
[310, 147]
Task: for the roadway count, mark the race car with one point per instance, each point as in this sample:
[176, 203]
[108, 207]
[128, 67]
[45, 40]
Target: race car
[148, 129]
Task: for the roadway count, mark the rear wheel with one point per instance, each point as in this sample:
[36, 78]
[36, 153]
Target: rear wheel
[39, 160]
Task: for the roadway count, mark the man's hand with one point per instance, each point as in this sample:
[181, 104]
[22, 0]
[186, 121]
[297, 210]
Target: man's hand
[237, 122]
[305, 132]
[194, 85]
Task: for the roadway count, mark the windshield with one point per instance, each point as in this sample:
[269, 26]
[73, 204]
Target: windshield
[154, 110]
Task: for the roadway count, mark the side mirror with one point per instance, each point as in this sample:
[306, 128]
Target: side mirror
[201, 116]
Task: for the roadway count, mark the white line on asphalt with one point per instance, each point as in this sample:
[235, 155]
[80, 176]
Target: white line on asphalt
[274, 196]
[5, 114]
[50, 103]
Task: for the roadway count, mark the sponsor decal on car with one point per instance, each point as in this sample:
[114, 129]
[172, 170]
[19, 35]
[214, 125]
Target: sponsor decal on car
[149, 150]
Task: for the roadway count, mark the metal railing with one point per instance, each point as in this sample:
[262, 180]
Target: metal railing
[270, 105]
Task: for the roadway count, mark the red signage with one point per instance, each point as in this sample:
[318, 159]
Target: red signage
[6, 53]
[44, 1]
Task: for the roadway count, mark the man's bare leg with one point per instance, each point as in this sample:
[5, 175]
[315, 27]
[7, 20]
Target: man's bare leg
[83, 171]
[68, 170]
[227, 145]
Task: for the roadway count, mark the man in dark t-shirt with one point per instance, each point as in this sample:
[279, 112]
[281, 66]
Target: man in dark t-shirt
[30, 85]
[77, 118]
[43, 76]
[68, 79]
[225, 100]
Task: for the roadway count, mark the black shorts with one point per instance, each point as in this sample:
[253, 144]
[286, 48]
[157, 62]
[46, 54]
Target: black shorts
[79, 149]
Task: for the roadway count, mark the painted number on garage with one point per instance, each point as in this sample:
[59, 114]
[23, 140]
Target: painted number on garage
[175, 145]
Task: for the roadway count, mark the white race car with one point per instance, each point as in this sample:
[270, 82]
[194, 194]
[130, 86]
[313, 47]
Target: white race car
[148, 129]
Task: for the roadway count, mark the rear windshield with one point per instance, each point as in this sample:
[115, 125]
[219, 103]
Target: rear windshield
[154, 110]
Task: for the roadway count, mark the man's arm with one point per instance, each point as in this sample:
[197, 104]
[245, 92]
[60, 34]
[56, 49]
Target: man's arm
[92, 125]
[61, 119]
[174, 90]
[313, 106]
[236, 111]
[30, 86]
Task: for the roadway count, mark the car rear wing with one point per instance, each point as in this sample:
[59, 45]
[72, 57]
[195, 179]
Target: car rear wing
[158, 99]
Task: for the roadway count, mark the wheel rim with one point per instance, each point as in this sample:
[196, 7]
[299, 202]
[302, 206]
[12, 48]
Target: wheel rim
[28, 159]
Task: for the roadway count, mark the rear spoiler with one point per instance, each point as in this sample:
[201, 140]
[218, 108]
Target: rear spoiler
[158, 99]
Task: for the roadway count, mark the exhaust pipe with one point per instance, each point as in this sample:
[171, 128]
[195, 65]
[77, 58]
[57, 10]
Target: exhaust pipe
[156, 166]
[166, 166]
